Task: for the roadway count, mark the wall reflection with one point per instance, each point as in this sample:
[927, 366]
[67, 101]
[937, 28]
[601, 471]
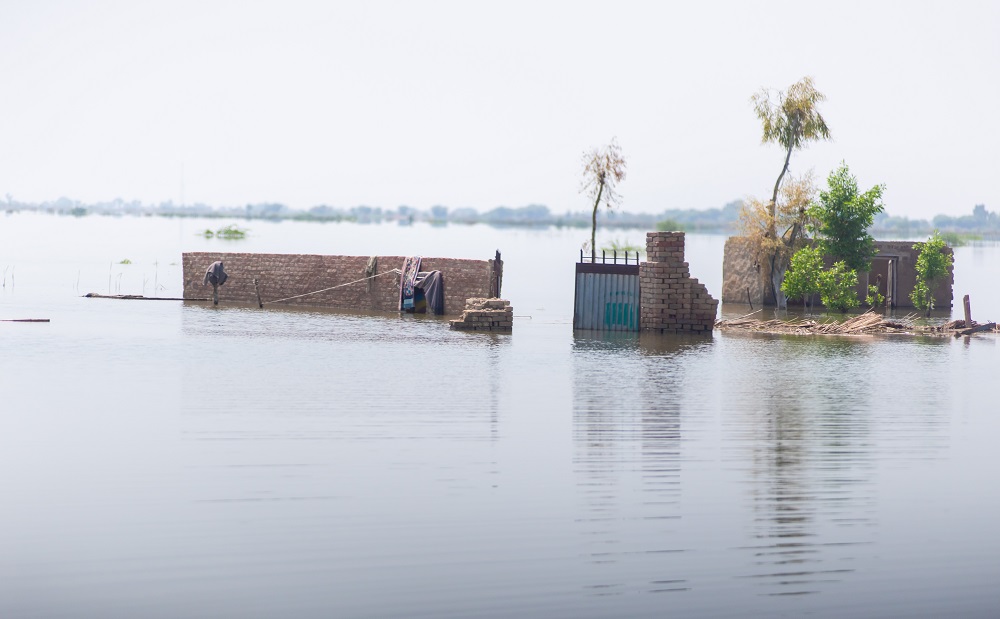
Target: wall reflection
[627, 460]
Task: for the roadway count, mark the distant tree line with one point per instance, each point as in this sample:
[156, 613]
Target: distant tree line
[716, 219]
[724, 219]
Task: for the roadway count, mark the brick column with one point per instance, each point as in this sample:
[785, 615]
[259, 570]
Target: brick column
[671, 301]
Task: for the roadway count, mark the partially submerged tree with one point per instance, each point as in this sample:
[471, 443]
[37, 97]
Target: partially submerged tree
[838, 287]
[792, 120]
[843, 217]
[790, 214]
[805, 275]
[603, 169]
[932, 266]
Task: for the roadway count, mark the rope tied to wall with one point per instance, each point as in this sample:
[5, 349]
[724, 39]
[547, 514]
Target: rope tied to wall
[357, 281]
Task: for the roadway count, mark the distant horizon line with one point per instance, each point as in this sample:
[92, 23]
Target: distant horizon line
[121, 205]
[724, 219]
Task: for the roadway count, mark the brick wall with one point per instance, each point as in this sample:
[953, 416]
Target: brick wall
[671, 301]
[286, 275]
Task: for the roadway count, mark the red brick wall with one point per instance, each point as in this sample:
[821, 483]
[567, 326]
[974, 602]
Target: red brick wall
[286, 275]
[671, 301]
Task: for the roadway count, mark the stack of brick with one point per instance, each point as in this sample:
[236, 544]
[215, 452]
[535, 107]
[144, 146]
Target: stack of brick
[486, 315]
[671, 301]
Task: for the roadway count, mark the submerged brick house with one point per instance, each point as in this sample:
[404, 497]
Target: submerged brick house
[744, 280]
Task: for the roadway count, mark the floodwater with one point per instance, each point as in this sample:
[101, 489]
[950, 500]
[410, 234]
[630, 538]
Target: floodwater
[162, 459]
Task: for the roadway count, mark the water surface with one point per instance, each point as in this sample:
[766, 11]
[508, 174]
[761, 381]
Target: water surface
[162, 459]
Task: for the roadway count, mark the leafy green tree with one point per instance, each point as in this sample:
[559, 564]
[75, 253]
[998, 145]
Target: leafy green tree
[932, 266]
[837, 287]
[805, 274]
[843, 217]
[603, 169]
[790, 119]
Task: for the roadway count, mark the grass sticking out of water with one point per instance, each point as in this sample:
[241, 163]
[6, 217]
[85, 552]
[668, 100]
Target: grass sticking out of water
[230, 232]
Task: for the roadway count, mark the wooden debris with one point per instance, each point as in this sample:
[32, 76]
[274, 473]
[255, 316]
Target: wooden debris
[25, 320]
[868, 323]
[990, 326]
[136, 297]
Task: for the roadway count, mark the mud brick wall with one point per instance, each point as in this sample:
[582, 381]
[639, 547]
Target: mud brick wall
[744, 280]
[286, 275]
[671, 301]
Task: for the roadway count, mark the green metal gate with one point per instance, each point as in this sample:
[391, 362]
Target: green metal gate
[607, 295]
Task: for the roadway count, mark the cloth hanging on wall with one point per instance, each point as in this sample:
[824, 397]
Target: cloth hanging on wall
[215, 274]
[433, 287]
[411, 266]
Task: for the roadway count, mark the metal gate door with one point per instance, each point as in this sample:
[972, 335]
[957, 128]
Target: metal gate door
[607, 296]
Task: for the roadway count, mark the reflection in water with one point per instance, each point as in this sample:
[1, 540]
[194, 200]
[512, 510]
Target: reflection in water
[627, 431]
[339, 384]
[169, 460]
[813, 456]
[811, 471]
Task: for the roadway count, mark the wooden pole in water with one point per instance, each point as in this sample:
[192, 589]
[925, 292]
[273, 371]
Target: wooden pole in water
[968, 311]
[260, 303]
[215, 293]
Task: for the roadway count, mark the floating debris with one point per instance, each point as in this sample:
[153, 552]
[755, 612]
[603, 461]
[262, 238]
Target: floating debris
[868, 323]
[139, 297]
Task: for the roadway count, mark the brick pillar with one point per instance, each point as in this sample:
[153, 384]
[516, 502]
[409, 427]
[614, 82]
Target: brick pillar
[671, 301]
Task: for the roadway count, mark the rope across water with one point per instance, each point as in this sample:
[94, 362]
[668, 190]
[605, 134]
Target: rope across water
[357, 281]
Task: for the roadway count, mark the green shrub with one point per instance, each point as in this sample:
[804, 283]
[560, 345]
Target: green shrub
[932, 265]
[874, 298]
[804, 276]
[837, 287]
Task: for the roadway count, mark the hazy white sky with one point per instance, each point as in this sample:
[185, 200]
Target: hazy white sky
[485, 104]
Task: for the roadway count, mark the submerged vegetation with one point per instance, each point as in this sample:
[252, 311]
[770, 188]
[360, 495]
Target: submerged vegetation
[623, 246]
[840, 220]
[230, 232]
[669, 225]
[932, 266]
[959, 239]
[807, 277]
